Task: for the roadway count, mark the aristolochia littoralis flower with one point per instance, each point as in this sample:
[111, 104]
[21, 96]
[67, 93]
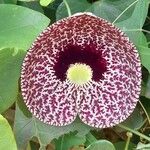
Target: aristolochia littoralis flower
[81, 65]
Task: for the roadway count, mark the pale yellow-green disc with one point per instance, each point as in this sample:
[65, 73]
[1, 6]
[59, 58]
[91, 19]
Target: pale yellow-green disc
[79, 73]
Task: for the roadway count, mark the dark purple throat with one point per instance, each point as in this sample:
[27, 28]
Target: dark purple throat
[88, 55]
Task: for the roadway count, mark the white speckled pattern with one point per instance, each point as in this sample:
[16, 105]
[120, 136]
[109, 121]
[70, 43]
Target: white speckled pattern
[99, 104]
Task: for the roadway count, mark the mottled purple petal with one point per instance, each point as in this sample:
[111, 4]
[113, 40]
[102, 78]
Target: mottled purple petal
[105, 101]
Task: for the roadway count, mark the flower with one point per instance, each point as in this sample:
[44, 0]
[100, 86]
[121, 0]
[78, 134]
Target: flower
[81, 65]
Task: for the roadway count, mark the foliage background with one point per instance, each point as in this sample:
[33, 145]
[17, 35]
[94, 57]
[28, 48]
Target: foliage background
[21, 21]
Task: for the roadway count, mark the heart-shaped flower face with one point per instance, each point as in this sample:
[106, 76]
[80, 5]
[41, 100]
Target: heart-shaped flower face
[81, 65]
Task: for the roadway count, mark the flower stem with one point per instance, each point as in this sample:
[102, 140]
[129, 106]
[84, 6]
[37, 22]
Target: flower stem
[68, 8]
[135, 132]
[129, 135]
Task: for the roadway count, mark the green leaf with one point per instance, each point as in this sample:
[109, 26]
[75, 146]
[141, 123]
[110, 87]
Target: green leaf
[10, 66]
[140, 11]
[133, 26]
[27, 0]
[23, 107]
[20, 26]
[7, 140]
[25, 128]
[111, 9]
[121, 145]
[74, 5]
[148, 35]
[45, 2]
[78, 148]
[146, 103]
[146, 88]
[134, 121]
[143, 48]
[32, 5]
[90, 138]
[101, 145]
[145, 56]
[107, 9]
[52, 7]
[68, 141]
[8, 1]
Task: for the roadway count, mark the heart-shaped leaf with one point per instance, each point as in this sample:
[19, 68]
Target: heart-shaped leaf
[7, 140]
[20, 26]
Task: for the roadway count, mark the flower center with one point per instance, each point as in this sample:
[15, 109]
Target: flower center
[79, 73]
[89, 56]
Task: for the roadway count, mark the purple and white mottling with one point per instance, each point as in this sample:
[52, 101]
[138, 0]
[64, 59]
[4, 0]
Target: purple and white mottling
[105, 101]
